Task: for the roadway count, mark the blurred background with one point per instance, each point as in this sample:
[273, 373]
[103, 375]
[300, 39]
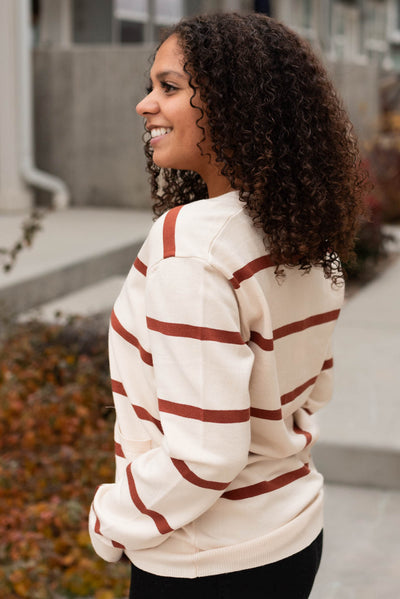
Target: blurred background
[68, 102]
[74, 210]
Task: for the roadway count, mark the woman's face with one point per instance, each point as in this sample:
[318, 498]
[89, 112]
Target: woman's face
[169, 115]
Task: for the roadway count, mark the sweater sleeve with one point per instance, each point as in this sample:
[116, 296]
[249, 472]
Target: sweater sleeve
[202, 369]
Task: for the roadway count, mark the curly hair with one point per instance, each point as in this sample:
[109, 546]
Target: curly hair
[279, 132]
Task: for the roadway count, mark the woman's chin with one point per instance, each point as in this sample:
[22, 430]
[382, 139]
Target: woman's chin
[168, 164]
[161, 161]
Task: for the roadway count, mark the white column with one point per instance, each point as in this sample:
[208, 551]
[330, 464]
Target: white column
[55, 22]
[14, 194]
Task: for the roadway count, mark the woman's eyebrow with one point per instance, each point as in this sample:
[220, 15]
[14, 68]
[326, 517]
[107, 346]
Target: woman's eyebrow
[164, 74]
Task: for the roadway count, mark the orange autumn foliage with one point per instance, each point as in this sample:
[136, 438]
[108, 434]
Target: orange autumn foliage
[56, 442]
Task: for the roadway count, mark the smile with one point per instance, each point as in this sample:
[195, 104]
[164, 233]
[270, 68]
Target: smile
[159, 132]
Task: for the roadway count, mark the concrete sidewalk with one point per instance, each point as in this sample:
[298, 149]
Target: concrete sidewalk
[361, 557]
[361, 423]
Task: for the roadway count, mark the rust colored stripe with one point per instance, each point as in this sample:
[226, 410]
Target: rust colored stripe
[190, 476]
[285, 399]
[176, 329]
[118, 387]
[142, 268]
[288, 397]
[118, 450]
[97, 525]
[258, 339]
[143, 414]
[118, 328]
[98, 531]
[295, 327]
[266, 414]
[266, 486]
[216, 416]
[169, 232]
[250, 269]
[299, 431]
[159, 520]
[301, 325]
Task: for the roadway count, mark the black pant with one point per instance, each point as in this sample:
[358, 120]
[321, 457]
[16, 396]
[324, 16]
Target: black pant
[289, 578]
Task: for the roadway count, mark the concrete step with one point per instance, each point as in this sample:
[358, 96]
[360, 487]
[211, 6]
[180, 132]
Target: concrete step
[92, 300]
[76, 248]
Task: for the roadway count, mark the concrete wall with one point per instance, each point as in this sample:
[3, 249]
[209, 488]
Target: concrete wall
[87, 131]
[358, 85]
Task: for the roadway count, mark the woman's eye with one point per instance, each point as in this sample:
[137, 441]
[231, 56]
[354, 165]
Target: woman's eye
[164, 85]
[167, 87]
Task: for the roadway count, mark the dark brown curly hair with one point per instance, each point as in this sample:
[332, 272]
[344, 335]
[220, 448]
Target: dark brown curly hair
[280, 134]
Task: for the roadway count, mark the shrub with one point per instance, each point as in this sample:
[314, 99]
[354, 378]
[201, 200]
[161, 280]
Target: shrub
[385, 158]
[370, 247]
[56, 440]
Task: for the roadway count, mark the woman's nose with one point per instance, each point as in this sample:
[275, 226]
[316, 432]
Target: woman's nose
[148, 105]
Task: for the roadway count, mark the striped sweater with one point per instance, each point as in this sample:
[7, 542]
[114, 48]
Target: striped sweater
[217, 368]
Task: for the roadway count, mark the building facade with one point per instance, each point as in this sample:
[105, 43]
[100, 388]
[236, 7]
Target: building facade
[88, 72]
[349, 30]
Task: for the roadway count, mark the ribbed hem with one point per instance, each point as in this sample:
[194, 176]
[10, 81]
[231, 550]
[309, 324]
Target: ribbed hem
[287, 540]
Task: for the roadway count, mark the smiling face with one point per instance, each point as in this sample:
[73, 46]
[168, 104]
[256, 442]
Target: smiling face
[170, 117]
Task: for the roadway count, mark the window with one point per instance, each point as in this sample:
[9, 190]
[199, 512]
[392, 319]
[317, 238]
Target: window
[398, 15]
[301, 15]
[393, 30]
[394, 19]
[141, 20]
[307, 16]
[375, 28]
[347, 42]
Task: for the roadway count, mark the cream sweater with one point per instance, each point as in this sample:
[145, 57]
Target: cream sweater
[217, 369]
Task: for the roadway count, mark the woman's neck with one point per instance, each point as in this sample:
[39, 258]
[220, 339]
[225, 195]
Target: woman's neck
[216, 183]
[219, 190]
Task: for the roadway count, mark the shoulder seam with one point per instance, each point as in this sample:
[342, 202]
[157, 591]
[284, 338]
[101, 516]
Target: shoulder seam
[221, 229]
[188, 257]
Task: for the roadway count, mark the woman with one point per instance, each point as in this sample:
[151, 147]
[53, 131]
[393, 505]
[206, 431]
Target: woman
[220, 339]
